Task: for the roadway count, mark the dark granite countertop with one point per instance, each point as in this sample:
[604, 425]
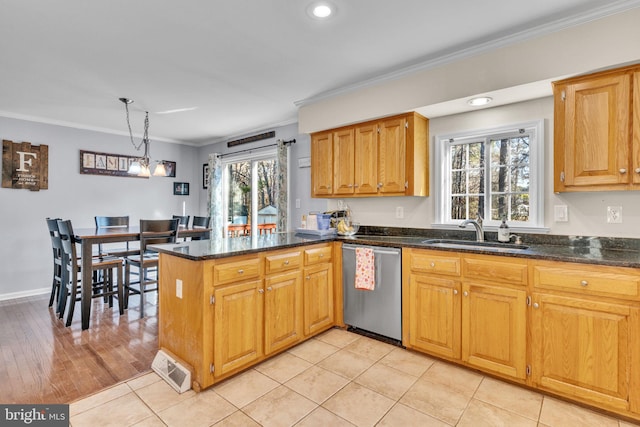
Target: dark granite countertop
[619, 252]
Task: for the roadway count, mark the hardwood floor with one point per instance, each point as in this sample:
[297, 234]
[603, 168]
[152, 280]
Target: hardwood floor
[42, 361]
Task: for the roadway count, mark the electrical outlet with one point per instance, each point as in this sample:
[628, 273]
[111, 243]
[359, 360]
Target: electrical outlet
[614, 214]
[179, 288]
[399, 212]
[297, 203]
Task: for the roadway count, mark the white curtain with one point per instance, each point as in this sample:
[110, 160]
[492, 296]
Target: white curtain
[282, 161]
[214, 196]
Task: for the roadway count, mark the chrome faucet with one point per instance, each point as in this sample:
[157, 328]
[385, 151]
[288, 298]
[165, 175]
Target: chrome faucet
[477, 223]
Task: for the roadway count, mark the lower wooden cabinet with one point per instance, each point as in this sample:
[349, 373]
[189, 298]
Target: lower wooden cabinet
[467, 318]
[434, 315]
[494, 329]
[569, 329]
[318, 298]
[231, 313]
[583, 348]
[238, 325]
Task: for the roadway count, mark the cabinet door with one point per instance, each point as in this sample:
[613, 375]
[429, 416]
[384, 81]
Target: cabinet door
[434, 315]
[392, 156]
[581, 348]
[366, 165]
[321, 164]
[635, 163]
[493, 329]
[596, 131]
[238, 326]
[318, 298]
[282, 311]
[343, 161]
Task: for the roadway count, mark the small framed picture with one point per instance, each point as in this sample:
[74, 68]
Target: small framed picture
[170, 167]
[205, 176]
[181, 188]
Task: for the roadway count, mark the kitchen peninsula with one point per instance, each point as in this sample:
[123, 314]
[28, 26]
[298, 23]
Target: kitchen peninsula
[560, 315]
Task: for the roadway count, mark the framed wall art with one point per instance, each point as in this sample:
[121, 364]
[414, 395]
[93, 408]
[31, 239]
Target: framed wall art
[96, 163]
[205, 176]
[180, 188]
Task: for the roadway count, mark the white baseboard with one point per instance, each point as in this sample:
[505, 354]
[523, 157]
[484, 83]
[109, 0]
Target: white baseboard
[23, 294]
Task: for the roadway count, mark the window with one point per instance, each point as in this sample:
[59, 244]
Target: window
[249, 191]
[495, 173]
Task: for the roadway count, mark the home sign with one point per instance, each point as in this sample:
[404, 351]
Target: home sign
[25, 165]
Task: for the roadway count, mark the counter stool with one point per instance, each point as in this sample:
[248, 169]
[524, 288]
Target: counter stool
[152, 231]
[56, 244]
[104, 288]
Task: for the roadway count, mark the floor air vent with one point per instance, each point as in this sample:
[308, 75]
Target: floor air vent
[172, 372]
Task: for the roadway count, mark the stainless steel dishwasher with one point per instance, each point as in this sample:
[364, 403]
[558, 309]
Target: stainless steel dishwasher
[378, 311]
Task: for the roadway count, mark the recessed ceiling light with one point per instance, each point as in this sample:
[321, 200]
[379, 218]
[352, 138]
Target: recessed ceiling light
[321, 10]
[479, 101]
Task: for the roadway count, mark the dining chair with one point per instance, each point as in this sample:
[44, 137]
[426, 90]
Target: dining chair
[152, 231]
[107, 287]
[56, 245]
[114, 222]
[184, 220]
[201, 222]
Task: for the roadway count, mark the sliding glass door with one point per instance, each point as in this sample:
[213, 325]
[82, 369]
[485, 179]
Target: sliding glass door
[249, 193]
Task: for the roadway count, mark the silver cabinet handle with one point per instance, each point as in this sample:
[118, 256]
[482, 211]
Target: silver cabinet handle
[286, 262]
[623, 171]
[536, 305]
[455, 292]
[433, 264]
[308, 277]
[637, 170]
[261, 291]
[321, 255]
[465, 293]
[583, 283]
[269, 288]
[241, 271]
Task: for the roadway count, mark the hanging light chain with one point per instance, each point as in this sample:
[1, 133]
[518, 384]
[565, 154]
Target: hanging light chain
[145, 136]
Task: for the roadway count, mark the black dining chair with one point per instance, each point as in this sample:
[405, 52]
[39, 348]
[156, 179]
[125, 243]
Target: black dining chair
[201, 222]
[152, 231]
[56, 245]
[114, 222]
[107, 287]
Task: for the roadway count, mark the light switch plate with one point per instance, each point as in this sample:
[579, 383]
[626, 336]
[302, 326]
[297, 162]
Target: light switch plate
[560, 213]
[178, 288]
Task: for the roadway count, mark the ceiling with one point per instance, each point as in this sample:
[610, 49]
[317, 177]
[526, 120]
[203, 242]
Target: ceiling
[239, 66]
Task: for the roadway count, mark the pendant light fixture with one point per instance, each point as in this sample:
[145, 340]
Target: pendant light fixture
[141, 166]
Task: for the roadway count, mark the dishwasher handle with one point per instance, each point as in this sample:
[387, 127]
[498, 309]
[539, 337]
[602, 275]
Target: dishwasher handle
[376, 250]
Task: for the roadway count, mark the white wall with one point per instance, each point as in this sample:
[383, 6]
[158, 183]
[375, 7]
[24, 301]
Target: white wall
[25, 252]
[597, 44]
[587, 211]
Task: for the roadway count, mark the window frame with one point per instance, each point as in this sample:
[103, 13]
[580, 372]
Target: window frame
[253, 156]
[442, 175]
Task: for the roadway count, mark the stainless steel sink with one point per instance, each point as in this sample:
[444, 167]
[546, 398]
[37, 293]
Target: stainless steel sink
[470, 244]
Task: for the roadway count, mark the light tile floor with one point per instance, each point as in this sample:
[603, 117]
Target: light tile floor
[336, 379]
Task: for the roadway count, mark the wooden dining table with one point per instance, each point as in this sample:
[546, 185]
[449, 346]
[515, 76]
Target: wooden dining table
[87, 237]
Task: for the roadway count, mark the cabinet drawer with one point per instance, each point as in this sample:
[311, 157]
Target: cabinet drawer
[317, 255]
[247, 268]
[588, 280]
[433, 262]
[506, 270]
[274, 263]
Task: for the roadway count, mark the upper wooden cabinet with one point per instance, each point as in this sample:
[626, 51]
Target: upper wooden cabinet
[597, 131]
[385, 157]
